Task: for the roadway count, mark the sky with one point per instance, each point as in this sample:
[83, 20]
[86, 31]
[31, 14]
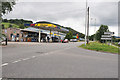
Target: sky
[68, 13]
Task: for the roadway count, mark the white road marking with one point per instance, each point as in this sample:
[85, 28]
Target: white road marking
[25, 59]
[5, 64]
[113, 54]
[16, 61]
[33, 56]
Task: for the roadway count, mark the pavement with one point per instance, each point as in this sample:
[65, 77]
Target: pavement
[56, 60]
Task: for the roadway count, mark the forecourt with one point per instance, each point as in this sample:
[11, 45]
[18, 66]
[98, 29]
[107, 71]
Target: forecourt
[47, 26]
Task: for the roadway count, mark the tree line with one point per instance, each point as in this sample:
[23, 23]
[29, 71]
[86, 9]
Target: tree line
[72, 33]
[19, 22]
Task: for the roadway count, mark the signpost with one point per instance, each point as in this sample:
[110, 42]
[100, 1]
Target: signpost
[107, 36]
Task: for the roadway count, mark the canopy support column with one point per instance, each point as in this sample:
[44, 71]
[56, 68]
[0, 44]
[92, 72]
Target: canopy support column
[50, 36]
[58, 36]
[39, 35]
[50, 33]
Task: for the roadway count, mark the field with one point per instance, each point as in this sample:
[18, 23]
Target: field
[100, 47]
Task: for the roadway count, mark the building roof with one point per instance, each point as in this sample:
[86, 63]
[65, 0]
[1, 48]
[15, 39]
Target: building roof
[30, 29]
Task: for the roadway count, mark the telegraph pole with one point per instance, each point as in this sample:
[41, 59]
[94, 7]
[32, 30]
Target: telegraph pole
[85, 22]
[88, 26]
[95, 30]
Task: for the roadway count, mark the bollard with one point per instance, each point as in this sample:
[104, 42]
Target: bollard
[6, 41]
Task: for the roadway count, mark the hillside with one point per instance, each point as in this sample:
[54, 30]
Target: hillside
[75, 32]
[18, 23]
[6, 25]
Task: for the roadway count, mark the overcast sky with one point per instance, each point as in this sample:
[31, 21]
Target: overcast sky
[68, 14]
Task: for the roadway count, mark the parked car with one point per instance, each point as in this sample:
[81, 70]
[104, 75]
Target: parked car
[65, 41]
[55, 39]
[73, 40]
[2, 38]
[118, 43]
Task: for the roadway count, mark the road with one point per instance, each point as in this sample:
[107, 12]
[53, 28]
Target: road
[56, 60]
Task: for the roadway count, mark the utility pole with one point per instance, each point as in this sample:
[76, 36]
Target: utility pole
[95, 30]
[88, 27]
[85, 22]
[0, 12]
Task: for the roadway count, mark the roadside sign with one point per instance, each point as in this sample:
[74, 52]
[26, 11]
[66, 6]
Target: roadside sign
[108, 33]
[106, 38]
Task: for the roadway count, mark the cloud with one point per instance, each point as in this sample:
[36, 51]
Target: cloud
[69, 14]
[106, 13]
[68, 0]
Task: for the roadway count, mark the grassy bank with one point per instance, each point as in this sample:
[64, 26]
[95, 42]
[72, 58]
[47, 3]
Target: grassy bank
[100, 47]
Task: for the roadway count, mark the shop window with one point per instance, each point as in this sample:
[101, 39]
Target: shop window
[11, 35]
[22, 35]
[17, 35]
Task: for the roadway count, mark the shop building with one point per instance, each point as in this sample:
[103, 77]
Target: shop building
[13, 34]
[32, 35]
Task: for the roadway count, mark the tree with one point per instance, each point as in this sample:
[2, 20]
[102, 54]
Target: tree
[100, 32]
[92, 37]
[7, 7]
[69, 35]
[75, 32]
[21, 26]
[11, 21]
[3, 27]
[4, 20]
[10, 25]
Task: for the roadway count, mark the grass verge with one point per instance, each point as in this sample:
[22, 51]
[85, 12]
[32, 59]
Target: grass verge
[100, 47]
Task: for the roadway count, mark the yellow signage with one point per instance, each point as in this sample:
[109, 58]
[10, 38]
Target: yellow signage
[45, 25]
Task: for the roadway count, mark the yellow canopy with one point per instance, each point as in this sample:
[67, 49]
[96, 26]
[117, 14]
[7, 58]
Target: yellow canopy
[51, 33]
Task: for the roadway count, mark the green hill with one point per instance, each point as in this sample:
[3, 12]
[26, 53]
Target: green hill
[6, 25]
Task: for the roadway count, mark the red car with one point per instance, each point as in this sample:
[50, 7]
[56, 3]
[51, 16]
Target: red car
[65, 41]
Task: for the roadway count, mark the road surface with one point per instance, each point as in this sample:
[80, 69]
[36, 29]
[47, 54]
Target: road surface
[56, 60]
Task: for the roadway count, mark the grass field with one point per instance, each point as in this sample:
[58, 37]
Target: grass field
[100, 47]
[7, 25]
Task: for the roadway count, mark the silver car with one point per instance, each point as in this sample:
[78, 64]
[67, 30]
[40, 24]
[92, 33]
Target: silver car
[2, 38]
[118, 43]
